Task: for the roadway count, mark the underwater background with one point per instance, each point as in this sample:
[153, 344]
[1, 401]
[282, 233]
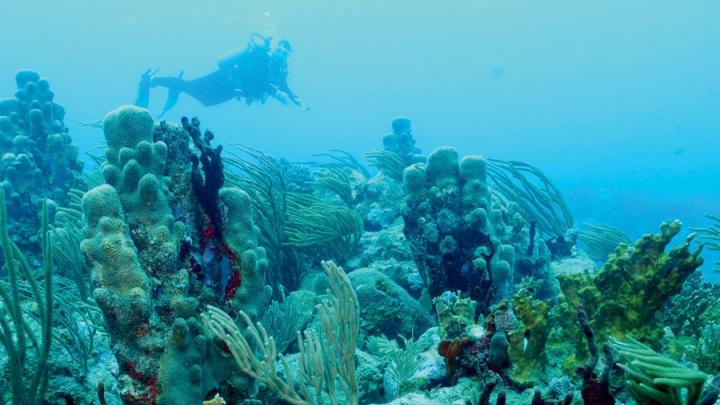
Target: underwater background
[618, 103]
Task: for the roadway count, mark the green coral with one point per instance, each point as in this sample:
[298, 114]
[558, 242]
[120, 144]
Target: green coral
[253, 295]
[654, 379]
[456, 315]
[625, 296]
[191, 365]
[313, 224]
[135, 168]
[28, 383]
[122, 284]
[527, 341]
[336, 180]
[130, 239]
[389, 163]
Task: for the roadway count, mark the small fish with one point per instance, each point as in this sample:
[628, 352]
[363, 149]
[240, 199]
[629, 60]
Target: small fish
[526, 340]
[497, 73]
[267, 14]
[678, 152]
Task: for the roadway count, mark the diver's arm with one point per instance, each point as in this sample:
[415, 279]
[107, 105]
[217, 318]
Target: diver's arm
[292, 97]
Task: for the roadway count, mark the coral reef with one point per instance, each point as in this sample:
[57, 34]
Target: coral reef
[402, 143]
[626, 295]
[327, 356]
[386, 308]
[27, 369]
[39, 160]
[655, 379]
[192, 273]
[601, 240]
[148, 289]
[536, 196]
[463, 237]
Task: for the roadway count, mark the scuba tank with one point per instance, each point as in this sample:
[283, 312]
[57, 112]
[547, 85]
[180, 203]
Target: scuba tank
[236, 56]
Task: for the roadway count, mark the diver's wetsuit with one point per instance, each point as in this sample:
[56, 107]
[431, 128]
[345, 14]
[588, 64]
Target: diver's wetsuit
[215, 88]
[253, 74]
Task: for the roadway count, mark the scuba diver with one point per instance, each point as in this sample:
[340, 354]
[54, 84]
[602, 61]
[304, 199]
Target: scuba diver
[254, 74]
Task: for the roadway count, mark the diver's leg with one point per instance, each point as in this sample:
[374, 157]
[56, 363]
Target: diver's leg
[143, 90]
[175, 86]
[212, 89]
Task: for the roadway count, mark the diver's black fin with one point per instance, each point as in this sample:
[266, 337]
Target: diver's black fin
[143, 90]
[173, 96]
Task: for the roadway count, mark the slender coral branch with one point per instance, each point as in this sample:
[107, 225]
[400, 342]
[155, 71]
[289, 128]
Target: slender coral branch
[326, 358]
[536, 196]
[26, 387]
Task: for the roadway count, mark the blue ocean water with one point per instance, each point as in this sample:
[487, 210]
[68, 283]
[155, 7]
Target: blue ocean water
[618, 102]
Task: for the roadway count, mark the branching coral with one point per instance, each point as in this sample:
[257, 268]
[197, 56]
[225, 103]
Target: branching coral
[313, 224]
[655, 379]
[65, 237]
[389, 163]
[283, 319]
[206, 185]
[337, 181]
[405, 360]
[537, 197]
[341, 159]
[291, 222]
[264, 181]
[710, 235]
[601, 240]
[326, 356]
[27, 384]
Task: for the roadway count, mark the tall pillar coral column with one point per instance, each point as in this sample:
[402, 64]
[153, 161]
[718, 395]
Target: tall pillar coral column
[464, 238]
[39, 160]
[250, 293]
[131, 238]
[134, 167]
